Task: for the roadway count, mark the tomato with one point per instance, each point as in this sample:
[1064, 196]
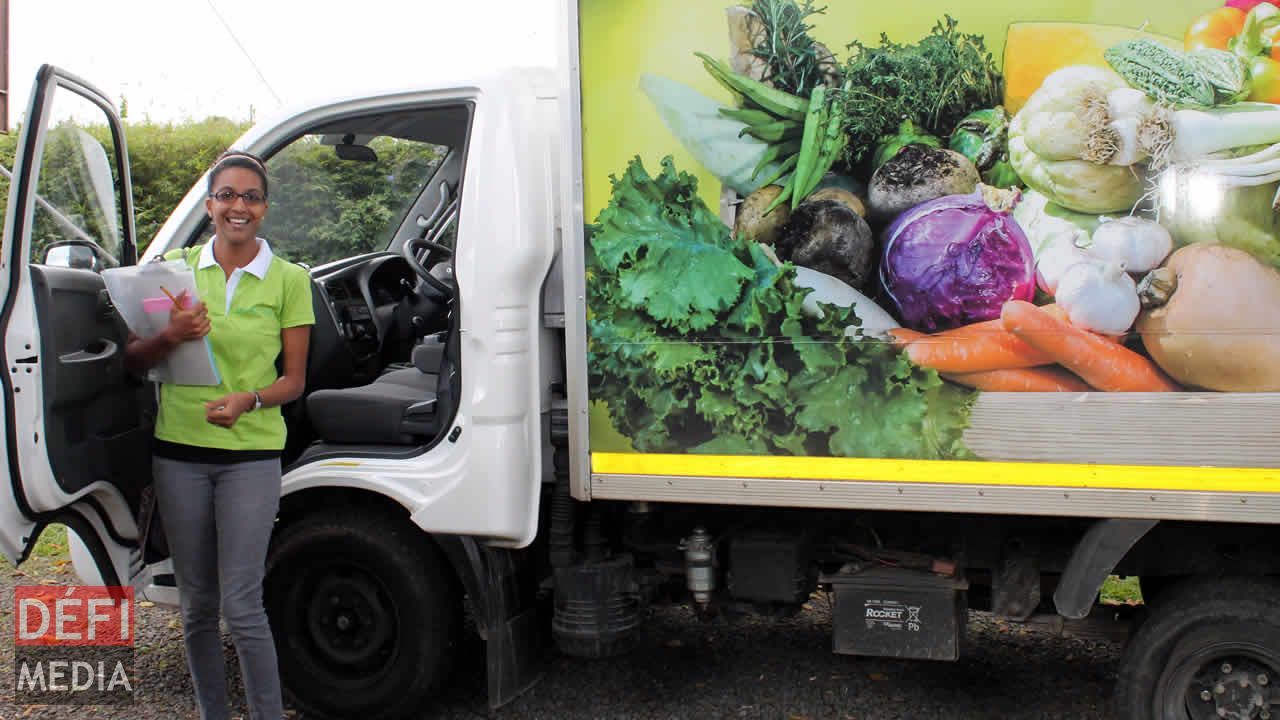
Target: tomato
[1247, 5]
[1214, 29]
[1264, 80]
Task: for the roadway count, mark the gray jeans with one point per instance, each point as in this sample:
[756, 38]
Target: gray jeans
[218, 521]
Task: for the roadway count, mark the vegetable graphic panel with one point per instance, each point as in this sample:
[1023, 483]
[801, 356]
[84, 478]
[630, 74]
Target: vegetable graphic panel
[946, 234]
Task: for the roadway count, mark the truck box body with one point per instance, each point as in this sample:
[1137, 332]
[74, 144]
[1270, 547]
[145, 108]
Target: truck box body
[686, 403]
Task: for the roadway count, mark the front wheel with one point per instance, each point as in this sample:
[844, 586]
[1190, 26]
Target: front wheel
[1210, 649]
[364, 613]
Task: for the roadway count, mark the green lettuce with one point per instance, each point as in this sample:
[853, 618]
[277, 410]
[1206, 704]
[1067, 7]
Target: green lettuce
[698, 343]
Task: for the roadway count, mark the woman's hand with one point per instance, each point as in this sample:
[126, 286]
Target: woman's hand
[227, 409]
[189, 324]
[184, 324]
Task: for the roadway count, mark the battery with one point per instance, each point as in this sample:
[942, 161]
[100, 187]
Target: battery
[898, 613]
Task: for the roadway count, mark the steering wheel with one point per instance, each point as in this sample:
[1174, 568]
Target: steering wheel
[423, 268]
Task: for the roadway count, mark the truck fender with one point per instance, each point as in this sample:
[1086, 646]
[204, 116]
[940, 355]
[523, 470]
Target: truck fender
[1101, 547]
[504, 613]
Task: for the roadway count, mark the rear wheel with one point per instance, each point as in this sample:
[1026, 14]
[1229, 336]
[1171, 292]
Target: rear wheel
[1209, 649]
[364, 613]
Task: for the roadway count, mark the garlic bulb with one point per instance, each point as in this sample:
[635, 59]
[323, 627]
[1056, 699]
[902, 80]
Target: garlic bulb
[1140, 245]
[1054, 260]
[1101, 298]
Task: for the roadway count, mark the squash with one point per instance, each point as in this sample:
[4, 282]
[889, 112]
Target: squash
[1213, 319]
[1035, 49]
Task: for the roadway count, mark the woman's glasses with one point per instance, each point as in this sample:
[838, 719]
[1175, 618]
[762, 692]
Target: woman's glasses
[253, 197]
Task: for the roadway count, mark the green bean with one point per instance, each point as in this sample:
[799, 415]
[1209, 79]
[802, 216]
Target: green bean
[770, 154]
[785, 167]
[826, 158]
[773, 152]
[809, 143]
[750, 117]
[833, 142]
[782, 104]
[774, 131]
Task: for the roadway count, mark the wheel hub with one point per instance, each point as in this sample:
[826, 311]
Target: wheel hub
[1235, 689]
[347, 621]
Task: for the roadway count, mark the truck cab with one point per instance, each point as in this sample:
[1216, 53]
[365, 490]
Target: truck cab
[430, 345]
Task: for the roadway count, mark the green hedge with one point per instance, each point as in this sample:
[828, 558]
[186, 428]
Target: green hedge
[322, 207]
[165, 159]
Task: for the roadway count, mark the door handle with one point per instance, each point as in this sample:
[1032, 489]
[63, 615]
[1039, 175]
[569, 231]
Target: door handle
[101, 349]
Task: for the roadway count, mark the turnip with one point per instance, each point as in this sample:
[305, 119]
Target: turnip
[1211, 319]
[917, 174]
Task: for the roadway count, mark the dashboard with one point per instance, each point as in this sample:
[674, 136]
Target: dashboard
[363, 294]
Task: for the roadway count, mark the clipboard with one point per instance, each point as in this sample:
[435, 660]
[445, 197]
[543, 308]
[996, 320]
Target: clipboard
[138, 293]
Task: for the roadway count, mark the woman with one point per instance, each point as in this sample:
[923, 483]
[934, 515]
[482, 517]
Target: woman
[217, 449]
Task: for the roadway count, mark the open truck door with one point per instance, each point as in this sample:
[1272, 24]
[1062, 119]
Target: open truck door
[76, 428]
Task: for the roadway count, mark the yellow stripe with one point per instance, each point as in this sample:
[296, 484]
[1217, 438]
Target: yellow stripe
[1119, 477]
[340, 463]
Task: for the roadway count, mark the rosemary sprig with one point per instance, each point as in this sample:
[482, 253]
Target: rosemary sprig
[794, 61]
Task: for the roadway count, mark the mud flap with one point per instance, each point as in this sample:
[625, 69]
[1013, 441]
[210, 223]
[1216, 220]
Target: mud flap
[1103, 545]
[503, 604]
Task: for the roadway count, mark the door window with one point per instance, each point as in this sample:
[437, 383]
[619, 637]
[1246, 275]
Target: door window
[79, 198]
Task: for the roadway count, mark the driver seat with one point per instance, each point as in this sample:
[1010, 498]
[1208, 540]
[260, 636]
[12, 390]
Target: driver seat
[404, 407]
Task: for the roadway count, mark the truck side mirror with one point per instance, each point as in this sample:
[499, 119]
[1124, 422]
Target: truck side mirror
[71, 256]
[79, 254]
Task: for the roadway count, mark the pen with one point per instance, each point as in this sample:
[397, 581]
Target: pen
[169, 295]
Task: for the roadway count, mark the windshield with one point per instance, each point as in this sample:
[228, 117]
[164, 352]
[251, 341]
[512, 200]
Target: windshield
[324, 208]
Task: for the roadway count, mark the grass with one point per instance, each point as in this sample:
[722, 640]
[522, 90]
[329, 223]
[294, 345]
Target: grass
[52, 543]
[1121, 591]
[48, 556]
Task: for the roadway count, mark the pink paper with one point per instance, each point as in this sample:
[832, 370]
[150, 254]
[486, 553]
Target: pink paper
[161, 304]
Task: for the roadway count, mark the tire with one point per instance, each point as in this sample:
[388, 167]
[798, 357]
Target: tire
[365, 613]
[1217, 638]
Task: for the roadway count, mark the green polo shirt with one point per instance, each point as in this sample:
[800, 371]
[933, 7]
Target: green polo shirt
[268, 295]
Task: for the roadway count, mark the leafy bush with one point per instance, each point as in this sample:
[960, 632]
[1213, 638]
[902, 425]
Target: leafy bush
[322, 207]
[165, 159]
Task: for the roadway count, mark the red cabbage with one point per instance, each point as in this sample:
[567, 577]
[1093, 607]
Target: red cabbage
[956, 260]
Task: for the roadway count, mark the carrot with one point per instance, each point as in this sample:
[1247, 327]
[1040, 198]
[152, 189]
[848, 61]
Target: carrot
[979, 347]
[1039, 379]
[1101, 362]
[903, 337]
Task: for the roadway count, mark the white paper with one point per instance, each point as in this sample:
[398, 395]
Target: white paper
[191, 363]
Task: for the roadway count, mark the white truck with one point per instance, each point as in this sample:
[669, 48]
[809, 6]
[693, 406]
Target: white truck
[543, 400]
